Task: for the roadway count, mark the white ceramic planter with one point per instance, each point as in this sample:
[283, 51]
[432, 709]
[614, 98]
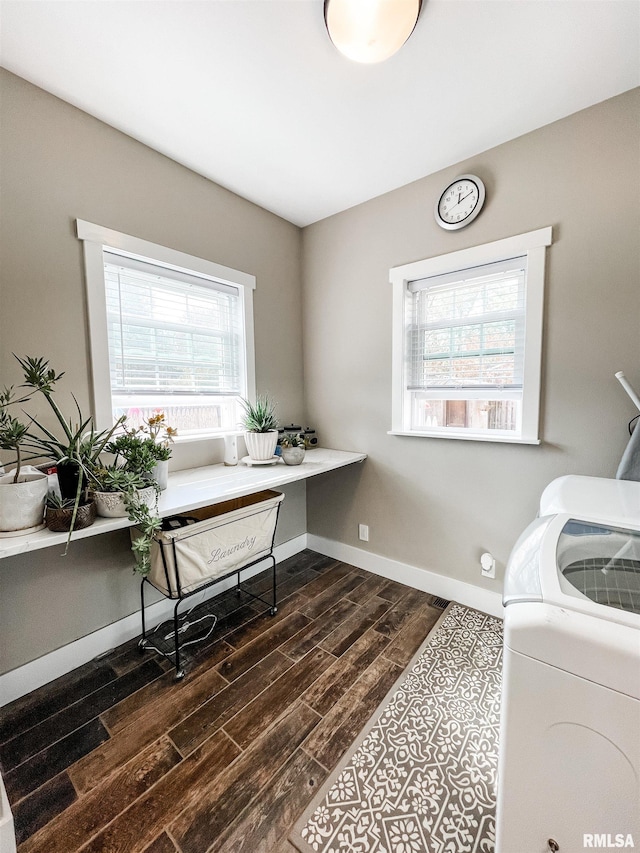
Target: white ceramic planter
[160, 474]
[261, 445]
[111, 504]
[22, 503]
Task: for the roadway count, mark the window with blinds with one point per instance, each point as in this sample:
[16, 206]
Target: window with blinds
[465, 347]
[467, 341]
[176, 343]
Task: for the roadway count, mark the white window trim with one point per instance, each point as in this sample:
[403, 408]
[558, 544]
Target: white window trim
[532, 244]
[95, 239]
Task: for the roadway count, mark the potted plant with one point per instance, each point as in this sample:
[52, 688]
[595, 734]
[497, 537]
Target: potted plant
[116, 489]
[261, 428]
[122, 492]
[162, 436]
[129, 489]
[22, 491]
[293, 447]
[136, 455]
[63, 515]
[76, 452]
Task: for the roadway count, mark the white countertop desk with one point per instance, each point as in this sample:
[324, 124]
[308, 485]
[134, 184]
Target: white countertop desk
[198, 487]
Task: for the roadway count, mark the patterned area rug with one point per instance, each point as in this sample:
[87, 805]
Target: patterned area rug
[422, 777]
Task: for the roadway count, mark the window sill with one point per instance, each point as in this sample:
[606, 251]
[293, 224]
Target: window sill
[500, 439]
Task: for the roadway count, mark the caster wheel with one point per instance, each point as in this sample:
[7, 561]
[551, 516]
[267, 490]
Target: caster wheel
[273, 611]
[237, 592]
[180, 674]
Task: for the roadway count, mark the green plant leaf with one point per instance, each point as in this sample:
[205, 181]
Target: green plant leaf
[259, 416]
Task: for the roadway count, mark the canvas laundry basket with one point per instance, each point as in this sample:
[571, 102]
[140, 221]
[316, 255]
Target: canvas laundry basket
[223, 538]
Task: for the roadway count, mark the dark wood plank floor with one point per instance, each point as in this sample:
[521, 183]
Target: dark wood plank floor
[117, 756]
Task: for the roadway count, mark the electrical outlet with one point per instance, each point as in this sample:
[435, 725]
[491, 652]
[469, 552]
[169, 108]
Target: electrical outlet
[363, 532]
[488, 565]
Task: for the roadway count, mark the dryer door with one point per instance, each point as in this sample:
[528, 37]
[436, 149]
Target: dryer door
[569, 760]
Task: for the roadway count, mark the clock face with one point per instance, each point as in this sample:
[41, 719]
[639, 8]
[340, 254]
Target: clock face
[460, 203]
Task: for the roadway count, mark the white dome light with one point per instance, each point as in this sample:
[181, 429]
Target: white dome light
[370, 30]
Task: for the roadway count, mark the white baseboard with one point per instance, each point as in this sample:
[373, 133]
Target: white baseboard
[433, 582]
[18, 682]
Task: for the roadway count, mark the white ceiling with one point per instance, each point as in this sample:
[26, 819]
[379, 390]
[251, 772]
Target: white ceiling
[253, 95]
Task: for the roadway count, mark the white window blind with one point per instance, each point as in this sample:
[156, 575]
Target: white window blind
[465, 332]
[171, 332]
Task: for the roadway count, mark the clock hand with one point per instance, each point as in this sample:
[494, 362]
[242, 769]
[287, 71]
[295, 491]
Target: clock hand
[460, 199]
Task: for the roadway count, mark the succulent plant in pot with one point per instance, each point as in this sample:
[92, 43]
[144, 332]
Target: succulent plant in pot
[155, 429]
[261, 428]
[120, 493]
[293, 447]
[139, 455]
[63, 515]
[115, 488]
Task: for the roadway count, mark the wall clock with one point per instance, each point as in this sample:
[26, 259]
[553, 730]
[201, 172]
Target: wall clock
[460, 202]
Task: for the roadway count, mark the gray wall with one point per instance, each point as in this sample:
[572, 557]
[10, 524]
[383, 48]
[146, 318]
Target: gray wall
[437, 503]
[59, 164]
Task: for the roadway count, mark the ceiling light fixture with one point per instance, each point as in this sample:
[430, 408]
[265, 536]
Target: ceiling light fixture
[370, 30]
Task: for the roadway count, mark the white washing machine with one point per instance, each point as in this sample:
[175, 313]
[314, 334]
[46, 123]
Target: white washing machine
[569, 771]
[7, 835]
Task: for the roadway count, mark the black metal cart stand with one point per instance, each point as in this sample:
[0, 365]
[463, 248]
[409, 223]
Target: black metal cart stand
[180, 568]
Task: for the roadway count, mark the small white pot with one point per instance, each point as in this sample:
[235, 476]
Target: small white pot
[22, 503]
[293, 455]
[160, 474]
[261, 445]
[111, 504]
